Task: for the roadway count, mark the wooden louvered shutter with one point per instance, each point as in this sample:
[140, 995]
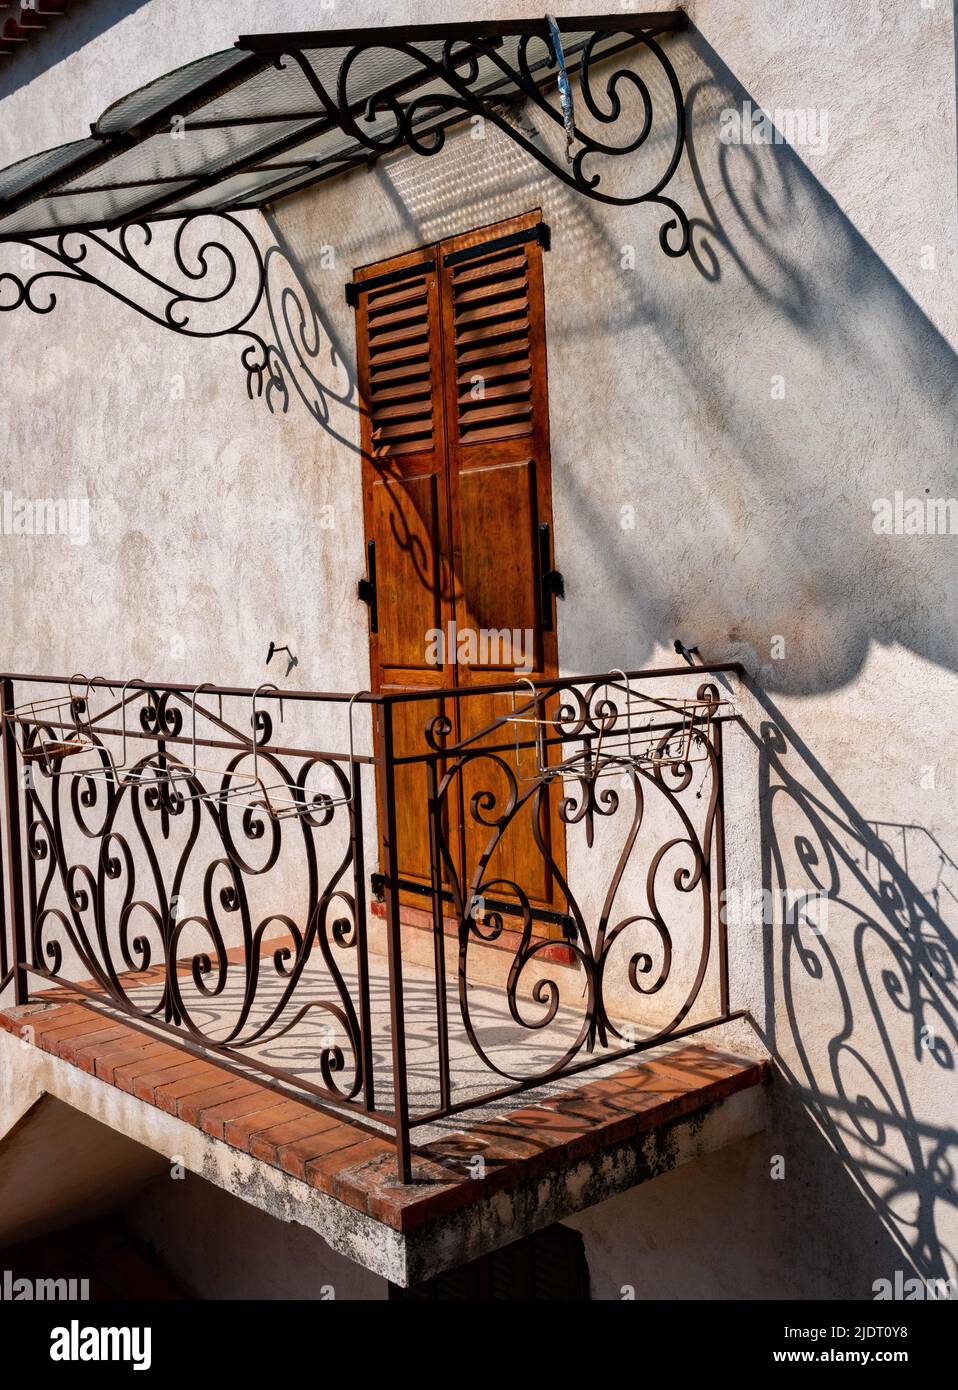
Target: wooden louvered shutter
[406, 506]
[490, 338]
[500, 483]
[457, 495]
[399, 366]
[497, 427]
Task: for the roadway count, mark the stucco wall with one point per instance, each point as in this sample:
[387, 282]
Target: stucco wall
[220, 1247]
[750, 402]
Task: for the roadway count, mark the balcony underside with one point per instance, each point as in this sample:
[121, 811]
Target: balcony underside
[512, 1167]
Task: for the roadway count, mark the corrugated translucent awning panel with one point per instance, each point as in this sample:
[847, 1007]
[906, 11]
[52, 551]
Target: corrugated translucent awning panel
[244, 127]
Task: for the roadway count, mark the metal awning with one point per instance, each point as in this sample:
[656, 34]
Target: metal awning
[280, 112]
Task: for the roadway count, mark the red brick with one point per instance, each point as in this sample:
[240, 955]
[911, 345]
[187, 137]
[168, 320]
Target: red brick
[40, 1022]
[699, 1065]
[368, 1178]
[86, 1055]
[125, 1076]
[144, 1085]
[168, 1097]
[268, 1144]
[68, 1051]
[293, 1157]
[491, 1142]
[51, 1038]
[106, 1065]
[191, 1107]
[240, 1131]
[335, 1148]
[214, 1120]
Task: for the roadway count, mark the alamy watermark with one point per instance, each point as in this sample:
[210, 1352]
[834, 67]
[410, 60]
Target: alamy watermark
[16, 1290]
[910, 1288]
[483, 646]
[915, 516]
[76, 1343]
[45, 516]
[803, 127]
[751, 905]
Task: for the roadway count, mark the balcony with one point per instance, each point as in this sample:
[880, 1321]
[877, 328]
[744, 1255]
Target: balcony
[406, 949]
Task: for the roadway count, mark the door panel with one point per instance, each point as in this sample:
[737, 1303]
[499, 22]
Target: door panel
[406, 506]
[400, 369]
[410, 719]
[406, 528]
[497, 428]
[516, 856]
[498, 569]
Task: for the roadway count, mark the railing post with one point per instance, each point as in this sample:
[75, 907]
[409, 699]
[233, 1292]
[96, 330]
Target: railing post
[362, 945]
[394, 947]
[720, 882]
[11, 797]
[438, 934]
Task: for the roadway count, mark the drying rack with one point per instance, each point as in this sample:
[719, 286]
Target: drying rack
[251, 790]
[278, 800]
[47, 714]
[118, 771]
[643, 730]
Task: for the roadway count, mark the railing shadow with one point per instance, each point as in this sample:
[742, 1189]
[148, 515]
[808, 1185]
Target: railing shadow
[861, 990]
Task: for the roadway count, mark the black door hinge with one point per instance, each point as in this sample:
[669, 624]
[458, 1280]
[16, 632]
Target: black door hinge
[366, 588]
[551, 581]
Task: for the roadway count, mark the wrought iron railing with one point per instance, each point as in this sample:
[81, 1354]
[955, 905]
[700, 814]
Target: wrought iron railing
[460, 895]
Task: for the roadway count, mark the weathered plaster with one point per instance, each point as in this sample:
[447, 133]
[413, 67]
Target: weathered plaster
[405, 1258]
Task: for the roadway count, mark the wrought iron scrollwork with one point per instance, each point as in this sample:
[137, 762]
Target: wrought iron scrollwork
[227, 287]
[619, 104]
[497, 800]
[220, 265]
[217, 278]
[112, 859]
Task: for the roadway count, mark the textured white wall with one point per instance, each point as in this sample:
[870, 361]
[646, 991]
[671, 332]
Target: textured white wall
[832, 269]
[221, 1247]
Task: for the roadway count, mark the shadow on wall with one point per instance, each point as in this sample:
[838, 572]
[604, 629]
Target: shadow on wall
[320, 369]
[770, 514]
[769, 518]
[311, 357]
[861, 964]
[64, 34]
[769, 532]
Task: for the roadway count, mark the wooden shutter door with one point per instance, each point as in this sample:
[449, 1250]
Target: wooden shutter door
[500, 487]
[458, 507]
[407, 511]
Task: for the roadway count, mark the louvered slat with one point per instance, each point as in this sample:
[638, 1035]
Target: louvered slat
[490, 315]
[400, 388]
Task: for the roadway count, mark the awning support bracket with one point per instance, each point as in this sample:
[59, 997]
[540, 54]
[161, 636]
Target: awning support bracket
[211, 250]
[455, 78]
